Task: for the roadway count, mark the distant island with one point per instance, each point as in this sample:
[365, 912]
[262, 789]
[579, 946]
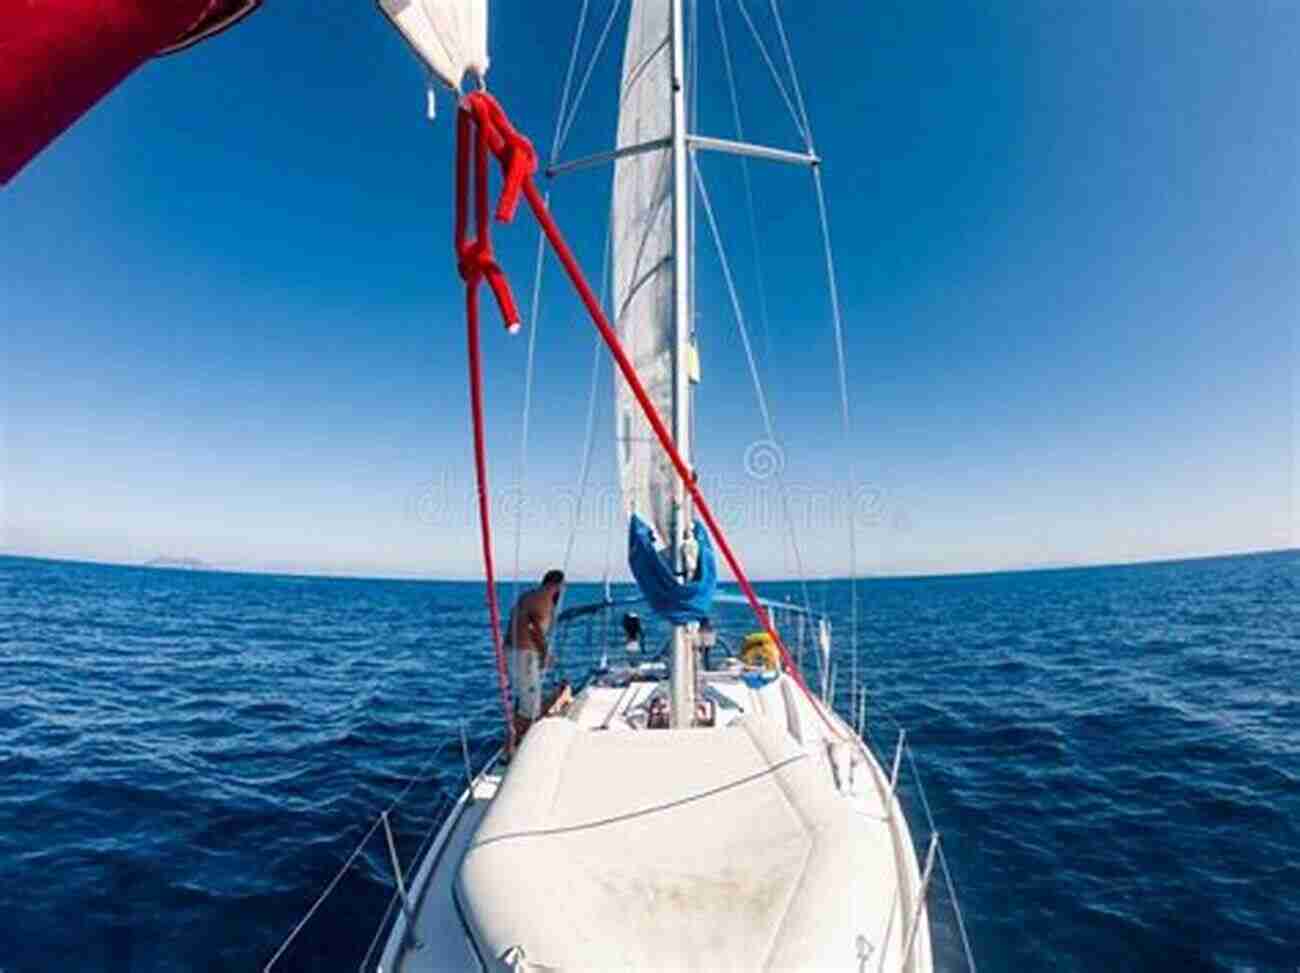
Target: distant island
[178, 563]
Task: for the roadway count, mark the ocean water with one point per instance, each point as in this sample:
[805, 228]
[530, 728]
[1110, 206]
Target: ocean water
[186, 758]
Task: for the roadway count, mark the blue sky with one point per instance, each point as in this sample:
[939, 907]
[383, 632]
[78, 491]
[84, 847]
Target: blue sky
[1067, 241]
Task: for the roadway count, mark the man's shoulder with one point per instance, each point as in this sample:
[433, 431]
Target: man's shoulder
[541, 601]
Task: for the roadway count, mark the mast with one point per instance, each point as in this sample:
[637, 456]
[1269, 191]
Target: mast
[682, 710]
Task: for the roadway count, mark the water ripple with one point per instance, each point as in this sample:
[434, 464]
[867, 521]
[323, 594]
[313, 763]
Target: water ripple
[185, 759]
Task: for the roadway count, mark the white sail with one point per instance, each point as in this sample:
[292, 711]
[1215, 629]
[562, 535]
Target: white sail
[450, 36]
[643, 266]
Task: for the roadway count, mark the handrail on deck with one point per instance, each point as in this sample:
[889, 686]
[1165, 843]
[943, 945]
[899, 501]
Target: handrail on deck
[426, 774]
[610, 602]
[934, 852]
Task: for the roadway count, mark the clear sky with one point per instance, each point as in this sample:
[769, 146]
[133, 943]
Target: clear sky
[1067, 238]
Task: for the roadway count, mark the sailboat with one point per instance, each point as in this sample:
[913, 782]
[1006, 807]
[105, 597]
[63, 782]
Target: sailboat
[702, 807]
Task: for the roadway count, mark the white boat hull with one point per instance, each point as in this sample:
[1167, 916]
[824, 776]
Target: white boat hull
[563, 895]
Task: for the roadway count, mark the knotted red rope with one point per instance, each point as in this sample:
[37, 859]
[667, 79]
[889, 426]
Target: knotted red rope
[480, 115]
[518, 161]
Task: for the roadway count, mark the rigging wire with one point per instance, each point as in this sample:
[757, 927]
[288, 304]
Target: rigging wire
[586, 78]
[776, 75]
[693, 62]
[525, 420]
[589, 440]
[956, 909]
[763, 317]
[535, 309]
[763, 409]
[794, 75]
[568, 81]
[837, 319]
[842, 370]
[425, 773]
[614, 522]
[590, 437]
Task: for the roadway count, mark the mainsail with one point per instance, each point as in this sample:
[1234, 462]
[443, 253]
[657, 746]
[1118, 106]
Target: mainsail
[643, 261]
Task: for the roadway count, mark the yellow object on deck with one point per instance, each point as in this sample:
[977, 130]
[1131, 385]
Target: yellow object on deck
[759, 649]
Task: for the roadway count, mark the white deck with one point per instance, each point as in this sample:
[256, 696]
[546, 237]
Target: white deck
[814, 882]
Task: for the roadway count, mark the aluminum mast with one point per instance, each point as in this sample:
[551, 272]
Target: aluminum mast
[684, 555]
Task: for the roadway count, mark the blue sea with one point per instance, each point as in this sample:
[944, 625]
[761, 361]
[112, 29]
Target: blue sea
[187, 758]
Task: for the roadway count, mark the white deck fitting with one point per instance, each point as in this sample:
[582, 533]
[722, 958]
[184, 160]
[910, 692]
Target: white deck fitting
[772, 864]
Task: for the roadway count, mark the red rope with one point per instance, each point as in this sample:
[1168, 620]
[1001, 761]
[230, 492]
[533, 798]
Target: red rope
[519, 161]
[476, 261]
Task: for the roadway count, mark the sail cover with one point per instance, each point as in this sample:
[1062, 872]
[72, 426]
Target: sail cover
[450, 36]
[678, 601]
[643, 270]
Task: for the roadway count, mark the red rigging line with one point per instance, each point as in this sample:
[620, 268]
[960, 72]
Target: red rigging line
[481, 112]
[476, 262]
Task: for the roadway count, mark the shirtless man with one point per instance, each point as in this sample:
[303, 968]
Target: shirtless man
[527, 647]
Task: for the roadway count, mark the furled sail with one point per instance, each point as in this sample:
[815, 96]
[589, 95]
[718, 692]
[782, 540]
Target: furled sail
[450, 36]
[643, 267]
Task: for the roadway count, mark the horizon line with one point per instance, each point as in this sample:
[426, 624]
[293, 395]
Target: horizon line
[206, 568]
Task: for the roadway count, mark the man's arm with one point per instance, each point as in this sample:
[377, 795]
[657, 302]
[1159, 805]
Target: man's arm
[537, 628]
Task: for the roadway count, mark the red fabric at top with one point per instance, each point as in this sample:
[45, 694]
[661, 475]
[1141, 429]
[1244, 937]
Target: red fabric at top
[59, 57]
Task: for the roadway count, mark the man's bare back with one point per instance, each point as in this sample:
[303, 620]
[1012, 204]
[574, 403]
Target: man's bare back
[529, 649]
[530, 621]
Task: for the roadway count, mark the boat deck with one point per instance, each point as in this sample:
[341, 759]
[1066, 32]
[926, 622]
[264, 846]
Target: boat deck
[622, 702]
